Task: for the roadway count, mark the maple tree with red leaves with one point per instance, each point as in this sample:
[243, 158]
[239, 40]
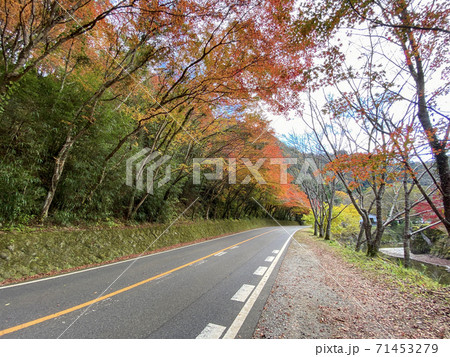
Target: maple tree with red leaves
[181, 61]
[184, 78]
[404, 62]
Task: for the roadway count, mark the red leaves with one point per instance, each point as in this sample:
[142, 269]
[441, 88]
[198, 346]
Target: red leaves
[424, 210]
[362, 167]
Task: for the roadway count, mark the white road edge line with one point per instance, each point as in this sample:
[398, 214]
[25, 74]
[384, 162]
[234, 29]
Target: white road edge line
[240, 318]
[243, 293]
[123, 261]
[270, 258]
[211, 331]
[260, 271]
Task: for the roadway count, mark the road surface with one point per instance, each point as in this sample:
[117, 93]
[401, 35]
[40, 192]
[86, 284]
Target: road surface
[214, 289]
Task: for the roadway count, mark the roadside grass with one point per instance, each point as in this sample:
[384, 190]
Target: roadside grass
[40, 253]
[382, 269]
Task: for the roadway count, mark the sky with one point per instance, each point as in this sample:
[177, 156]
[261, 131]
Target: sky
[388, 55]
[283, 126]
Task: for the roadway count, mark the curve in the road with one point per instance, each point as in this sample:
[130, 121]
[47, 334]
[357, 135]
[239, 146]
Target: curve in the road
[114, 293]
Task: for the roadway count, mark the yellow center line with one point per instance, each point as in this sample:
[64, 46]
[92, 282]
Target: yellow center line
[117, 292]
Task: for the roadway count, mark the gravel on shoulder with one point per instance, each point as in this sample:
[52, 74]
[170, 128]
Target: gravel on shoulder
[319, 295]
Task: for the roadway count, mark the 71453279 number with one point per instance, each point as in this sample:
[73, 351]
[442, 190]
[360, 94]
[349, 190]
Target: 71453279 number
[407, 348]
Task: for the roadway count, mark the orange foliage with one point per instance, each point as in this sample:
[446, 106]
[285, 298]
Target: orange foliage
[363, 167]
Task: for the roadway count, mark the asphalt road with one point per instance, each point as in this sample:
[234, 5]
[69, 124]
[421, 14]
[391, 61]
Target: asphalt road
[214, 289]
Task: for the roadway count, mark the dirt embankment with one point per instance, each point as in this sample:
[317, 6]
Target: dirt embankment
[318, 294]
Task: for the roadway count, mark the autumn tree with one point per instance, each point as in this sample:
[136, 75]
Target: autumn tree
[31, 31]
[253, 181]
[410, 42]
[320, 193]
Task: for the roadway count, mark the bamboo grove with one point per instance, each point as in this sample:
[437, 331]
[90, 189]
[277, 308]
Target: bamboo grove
[87, 84]
[84, 85]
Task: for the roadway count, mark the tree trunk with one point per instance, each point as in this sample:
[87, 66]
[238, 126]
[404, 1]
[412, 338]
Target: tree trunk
[63, 153]
[439, 153]
[330, 212]
[406, 229]
[371, 250]
[60, 161]
[359, 240]
[130, 206]
[437, 146]
[327, 231]
[407, 249]
[133, 213]
[320, 230]
[374, 244]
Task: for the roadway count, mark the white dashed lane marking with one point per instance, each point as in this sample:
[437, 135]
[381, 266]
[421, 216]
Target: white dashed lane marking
[260, 271]
[233, 330]
[243, 293]
[270, 258]
[219, 254]
[211, 331]
[275, 251]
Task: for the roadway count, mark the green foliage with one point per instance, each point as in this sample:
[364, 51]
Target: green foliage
[393, 233]
[441, 242]
[346, 223]
[43, 113]
[19, 195]
[442, 248]
[309, 219]
[5, 97]
[387, 270]
[31, 128]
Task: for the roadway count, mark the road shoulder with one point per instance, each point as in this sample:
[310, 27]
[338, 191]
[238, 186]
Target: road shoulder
[319, 295]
